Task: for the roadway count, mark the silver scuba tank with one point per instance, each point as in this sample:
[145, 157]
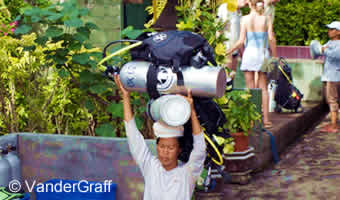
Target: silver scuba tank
[271, 93]
[174, 110]
[5, 169]
[205, 82]
[14, 162]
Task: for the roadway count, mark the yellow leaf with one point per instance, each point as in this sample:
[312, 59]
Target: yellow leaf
[232, 5]
[220, 49]
[245, 96]
[185, 26]
[198, 14]
[180, 26]
[219, 140]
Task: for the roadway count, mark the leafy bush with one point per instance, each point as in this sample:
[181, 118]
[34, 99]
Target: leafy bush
[79, 97]
[240, 111]
[200, 17]
[23, 78]
[297, 22]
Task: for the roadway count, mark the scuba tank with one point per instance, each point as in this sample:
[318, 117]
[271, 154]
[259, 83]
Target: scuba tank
[271, 93]
[14, 161]
[5, 169]
[174, 110]
[205, 82]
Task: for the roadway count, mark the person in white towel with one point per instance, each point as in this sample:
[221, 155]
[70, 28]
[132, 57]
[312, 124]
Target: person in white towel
[165, 178]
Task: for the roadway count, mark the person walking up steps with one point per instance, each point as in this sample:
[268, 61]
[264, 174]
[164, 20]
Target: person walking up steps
[165, 178]
[331, 75]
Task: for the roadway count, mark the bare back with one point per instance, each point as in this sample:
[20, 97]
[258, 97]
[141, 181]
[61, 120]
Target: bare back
[255, 23]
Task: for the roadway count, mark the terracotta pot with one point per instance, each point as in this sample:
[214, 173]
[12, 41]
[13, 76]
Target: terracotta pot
[241, 142]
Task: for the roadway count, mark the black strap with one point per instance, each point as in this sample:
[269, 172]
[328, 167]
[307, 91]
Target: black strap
[180, 80]
[151, 81]
[176, 69]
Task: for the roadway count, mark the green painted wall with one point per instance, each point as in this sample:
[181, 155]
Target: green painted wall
[306, 77]
[135, 14]
[106, 14]
[111, 16]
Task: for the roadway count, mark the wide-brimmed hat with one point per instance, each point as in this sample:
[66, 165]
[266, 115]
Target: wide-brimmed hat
[334, 25]
[162, 130]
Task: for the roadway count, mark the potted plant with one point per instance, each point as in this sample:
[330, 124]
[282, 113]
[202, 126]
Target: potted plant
[241, 114]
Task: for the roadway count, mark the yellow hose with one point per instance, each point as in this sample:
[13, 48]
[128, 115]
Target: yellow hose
[120, 51]
[284, 73]
[220, 162]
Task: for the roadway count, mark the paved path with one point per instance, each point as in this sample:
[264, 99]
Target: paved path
[308, 170]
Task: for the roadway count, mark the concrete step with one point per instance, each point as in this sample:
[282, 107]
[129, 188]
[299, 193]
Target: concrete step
[287, 127]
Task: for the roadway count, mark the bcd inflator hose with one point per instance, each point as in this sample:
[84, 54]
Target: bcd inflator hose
[276, 157]
[220, 162]
[102, 67]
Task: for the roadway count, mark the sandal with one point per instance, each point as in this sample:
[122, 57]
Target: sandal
[329, 129]
[324, 128]
[268, 125]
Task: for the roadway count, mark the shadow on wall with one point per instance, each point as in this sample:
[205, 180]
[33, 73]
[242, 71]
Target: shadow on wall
[315, 86]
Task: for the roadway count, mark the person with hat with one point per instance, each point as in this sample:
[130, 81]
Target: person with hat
[331, 74]
[165, 178]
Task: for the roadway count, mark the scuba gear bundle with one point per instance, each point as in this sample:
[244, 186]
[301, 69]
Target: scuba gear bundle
[169, 63]
[287, 96]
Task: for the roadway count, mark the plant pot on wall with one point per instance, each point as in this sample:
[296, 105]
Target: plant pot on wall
[241, 141]
[241, 114]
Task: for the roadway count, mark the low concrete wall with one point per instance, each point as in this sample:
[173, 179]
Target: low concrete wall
[46, 157]
[290, 127]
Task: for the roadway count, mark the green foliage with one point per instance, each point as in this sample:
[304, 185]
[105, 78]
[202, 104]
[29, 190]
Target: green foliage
[297, 22]
[17, 7]
[73, 97]
[5, 20]
[33, 97]
[200, 17]
[239, 110]
[106, 130]
[62, 24]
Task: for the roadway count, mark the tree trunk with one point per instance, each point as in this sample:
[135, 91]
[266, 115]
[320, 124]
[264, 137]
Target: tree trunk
[3, 108]
[12, 108]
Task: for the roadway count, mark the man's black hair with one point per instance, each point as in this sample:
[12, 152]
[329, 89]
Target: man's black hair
[181, 141]
[185, 143]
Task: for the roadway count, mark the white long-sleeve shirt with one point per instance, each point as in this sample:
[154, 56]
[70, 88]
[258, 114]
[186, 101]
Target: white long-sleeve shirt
[331, 70]
[176, 184]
